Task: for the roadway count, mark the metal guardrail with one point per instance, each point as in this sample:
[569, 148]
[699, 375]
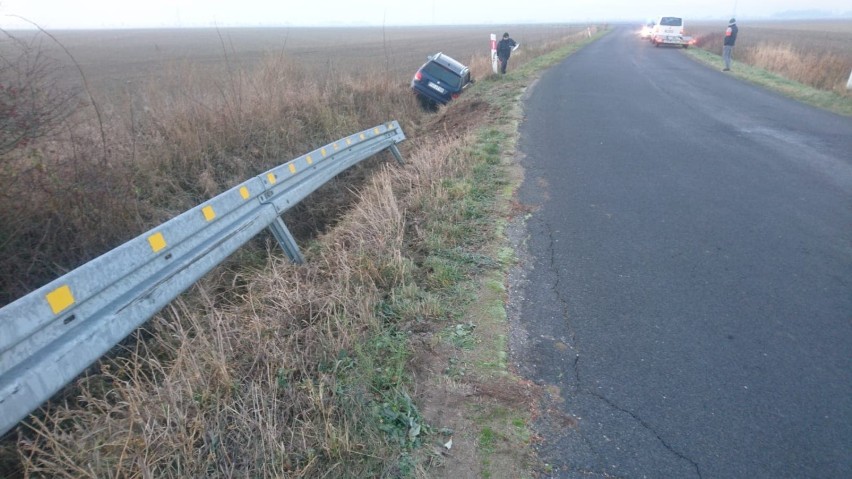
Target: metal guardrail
[51, 335]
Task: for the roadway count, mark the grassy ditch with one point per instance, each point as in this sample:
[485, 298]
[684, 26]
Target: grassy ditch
[383, 356]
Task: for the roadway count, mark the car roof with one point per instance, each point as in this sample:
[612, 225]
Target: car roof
[448, 62]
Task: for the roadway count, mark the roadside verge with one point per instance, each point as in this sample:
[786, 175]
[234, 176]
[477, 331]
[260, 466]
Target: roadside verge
[827, 100]
[467, 388]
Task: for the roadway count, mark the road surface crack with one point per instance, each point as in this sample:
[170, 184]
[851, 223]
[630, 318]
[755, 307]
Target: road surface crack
[576, 364]
[562, 301]
[648, 427]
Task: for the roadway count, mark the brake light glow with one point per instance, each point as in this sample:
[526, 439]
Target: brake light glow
[418, 76]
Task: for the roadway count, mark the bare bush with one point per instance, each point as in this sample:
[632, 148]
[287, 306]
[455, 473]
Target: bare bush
[32, 101]
[46, 190]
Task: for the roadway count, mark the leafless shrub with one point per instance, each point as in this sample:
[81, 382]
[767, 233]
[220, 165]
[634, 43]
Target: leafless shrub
[32, 102]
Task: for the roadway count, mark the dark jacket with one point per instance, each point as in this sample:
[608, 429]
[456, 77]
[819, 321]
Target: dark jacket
[731, 35]
[504, 48]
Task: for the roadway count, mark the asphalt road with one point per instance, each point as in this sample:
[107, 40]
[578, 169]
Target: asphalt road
[687, 284]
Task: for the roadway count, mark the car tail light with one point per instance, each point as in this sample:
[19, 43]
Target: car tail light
[418, 76]
[455, 95]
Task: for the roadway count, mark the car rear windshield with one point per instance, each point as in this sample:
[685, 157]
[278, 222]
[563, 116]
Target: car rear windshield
[442, 74]
[671, 22]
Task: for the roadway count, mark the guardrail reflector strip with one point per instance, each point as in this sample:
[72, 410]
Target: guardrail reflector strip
[376, 131]
[244, 192]
[292, 168]
[336, 147]
[271, 178]
[60, 299]
[348, 141]
[323, 152]
[209, 213]
[363, 136]
[157, 242]
[309, 160]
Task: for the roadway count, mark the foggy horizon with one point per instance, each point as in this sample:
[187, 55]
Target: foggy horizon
[157, 14]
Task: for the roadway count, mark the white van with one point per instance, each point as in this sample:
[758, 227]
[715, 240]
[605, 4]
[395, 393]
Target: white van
[668, 31]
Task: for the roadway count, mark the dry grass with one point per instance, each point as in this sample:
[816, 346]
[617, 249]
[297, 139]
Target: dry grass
[824, 71]
[168, 150]
[266, 370]
[268, 378]
[815, 54]
[159, 145]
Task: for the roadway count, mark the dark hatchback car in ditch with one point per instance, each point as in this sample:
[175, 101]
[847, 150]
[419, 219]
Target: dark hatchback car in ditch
[440, 80]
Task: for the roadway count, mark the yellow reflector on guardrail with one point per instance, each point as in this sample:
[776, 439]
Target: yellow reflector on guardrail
[209, 213]
[60, 299]
[157, 242]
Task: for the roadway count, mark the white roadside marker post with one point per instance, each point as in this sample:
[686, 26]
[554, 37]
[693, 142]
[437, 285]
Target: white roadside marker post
[494, 62]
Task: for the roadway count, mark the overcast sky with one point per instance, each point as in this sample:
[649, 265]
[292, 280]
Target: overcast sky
[60, 14]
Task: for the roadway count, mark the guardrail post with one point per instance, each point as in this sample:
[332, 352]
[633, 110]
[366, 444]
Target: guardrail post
[396, 154]
[286, 240]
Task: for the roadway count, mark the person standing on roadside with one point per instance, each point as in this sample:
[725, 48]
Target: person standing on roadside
[505, 47]
[730, 40]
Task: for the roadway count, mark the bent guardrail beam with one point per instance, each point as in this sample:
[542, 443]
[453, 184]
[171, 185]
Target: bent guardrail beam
[51, 335]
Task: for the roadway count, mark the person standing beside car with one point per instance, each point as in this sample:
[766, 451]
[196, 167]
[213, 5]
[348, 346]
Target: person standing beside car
[730, 40]
[505, 47]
